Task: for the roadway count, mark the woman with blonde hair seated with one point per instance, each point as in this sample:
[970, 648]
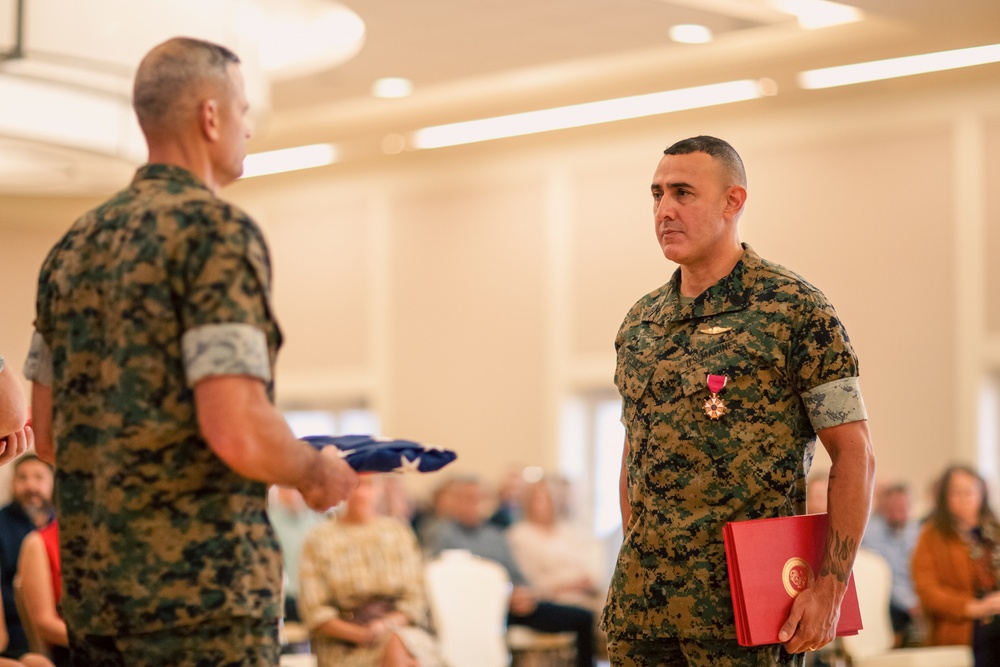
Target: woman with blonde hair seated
[559, 562]
[361, 588]
[956, 567]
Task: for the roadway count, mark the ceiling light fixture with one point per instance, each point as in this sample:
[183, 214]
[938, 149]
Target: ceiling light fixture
[590, 113]
[392, 87]
[70, 88]
[876, 70]
[813, 14]
[289, 159]
[690, 33]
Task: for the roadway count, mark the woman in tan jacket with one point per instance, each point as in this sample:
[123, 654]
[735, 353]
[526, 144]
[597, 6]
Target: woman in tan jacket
[956, 564]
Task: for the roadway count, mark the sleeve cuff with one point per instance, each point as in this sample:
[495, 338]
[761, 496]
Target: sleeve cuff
[835, 403]
[225, 349]
[38, 365]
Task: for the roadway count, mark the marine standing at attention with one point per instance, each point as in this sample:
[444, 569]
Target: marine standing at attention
[727, 375]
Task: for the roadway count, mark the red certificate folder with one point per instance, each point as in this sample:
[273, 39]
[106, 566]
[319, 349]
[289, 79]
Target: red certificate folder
[771, 561]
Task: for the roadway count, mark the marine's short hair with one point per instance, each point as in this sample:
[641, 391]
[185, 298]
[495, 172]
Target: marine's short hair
[718, 149]
[171, 73]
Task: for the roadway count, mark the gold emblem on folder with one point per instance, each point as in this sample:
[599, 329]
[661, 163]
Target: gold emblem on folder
[796, 576]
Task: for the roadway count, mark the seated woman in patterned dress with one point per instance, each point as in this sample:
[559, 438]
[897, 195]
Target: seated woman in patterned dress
[361, 581]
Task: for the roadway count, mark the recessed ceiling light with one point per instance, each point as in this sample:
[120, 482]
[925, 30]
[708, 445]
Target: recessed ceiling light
[392, 86]
[393, 144]
[690, 33]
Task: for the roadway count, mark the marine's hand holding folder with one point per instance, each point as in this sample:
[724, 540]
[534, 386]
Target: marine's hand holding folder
[770, 562]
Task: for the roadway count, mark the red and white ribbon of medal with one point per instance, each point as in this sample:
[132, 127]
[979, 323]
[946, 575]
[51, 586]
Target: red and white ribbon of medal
[714, 406]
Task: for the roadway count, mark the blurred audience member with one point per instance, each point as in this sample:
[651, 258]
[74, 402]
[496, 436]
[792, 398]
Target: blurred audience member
[893, 535]
[816, 490]
[471, 532]
[362, 588]
[396, 500]
[292, 520]
[956, 567]
[41, 586]
[441, 510]
[508, 509]
[30, 509]
[559, 563]
[562, 498]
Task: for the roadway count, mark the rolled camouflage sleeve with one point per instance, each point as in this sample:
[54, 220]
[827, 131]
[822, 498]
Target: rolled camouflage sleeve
[38, 365]
[835, 403]
[225, 349]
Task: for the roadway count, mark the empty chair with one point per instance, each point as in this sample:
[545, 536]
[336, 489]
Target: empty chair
[468, 598]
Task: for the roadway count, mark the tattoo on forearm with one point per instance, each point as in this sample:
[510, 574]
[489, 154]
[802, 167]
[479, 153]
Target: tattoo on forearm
[839, 552]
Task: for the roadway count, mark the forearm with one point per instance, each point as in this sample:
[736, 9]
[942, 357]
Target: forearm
[41, 422]
[249, 434]
[626, 508]
[268, 451]
[852, 475]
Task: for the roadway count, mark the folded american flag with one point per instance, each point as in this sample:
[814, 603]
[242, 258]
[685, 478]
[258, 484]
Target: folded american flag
[368, 453]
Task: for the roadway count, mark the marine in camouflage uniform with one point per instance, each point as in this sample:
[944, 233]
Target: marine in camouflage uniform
[790, 372]
[157, 532]
[152, 370]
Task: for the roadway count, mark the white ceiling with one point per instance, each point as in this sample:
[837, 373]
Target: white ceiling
[475, 58]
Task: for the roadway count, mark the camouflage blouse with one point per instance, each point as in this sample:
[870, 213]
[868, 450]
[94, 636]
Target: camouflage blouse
[789, 372]
[160, 286]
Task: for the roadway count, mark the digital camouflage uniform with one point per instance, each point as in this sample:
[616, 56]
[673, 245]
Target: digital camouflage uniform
[159, 287]
[790, 372]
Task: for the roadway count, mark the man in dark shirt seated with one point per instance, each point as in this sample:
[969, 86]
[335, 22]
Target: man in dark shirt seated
[30, 509]
[469, 530]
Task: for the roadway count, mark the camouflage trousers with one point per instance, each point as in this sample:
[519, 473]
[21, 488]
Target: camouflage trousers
[672, 652]
[232, 642]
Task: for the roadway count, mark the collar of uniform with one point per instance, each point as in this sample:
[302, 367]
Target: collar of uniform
[729, 294]
[168, 172]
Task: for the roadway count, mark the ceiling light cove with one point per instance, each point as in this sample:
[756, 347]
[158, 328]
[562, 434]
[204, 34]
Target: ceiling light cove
[813, 14]
[289, 159]
[878, 70]
[590, 113]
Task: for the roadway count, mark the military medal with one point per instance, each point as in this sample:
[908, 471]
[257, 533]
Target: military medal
[714, 406]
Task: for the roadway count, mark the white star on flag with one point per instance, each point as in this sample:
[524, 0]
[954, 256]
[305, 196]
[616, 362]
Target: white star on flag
[408, 466]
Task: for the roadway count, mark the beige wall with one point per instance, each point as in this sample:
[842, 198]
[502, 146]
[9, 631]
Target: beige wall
[464, 293]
